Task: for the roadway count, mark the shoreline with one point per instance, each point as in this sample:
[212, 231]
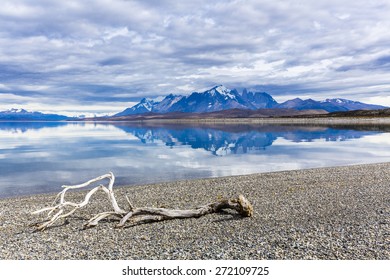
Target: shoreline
[359, 120]
[321, 213]
[267, 120]
[286, 121]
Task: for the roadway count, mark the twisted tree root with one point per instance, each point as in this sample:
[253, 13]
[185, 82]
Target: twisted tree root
[138, 215]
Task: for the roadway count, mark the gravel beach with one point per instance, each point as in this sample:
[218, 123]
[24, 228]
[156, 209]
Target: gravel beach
[326, 213]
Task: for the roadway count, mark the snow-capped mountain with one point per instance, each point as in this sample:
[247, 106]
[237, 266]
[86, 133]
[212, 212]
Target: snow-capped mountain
[24, 115]
[330, 105]
[15, 111]
[215, 99]
[221, 98]
[166, 104]
[144, 106]
[352, 105]
[306, 104]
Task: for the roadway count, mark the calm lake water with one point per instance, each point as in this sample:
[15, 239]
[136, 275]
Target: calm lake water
[38, 157]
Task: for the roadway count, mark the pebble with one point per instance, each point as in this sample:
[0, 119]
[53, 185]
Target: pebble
[326, 213]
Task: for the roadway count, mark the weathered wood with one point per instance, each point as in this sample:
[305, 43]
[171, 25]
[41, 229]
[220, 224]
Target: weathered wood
[137, 215]
[60, 207]
[147, 214]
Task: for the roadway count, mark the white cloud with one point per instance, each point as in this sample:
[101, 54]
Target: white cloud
[384, 100]
[185, 88]
[3, 87]
[18, 9]
[317, 25]
[343, 16]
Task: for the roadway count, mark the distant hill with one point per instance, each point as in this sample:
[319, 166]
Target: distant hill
[362, 113]
[330, 105]
[24, 115]
[220, 98]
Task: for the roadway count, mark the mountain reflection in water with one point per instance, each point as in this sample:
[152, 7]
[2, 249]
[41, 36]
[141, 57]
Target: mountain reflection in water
[238, 139]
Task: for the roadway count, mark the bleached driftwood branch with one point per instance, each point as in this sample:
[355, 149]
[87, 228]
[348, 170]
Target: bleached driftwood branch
[142, 214]
[56, 212]
[147, 214]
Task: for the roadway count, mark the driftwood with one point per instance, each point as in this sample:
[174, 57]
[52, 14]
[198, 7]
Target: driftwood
[138, 215]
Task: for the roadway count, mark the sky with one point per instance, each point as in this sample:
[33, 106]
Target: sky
[101, 56]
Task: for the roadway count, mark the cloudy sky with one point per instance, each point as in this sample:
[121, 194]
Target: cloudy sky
[101, 56]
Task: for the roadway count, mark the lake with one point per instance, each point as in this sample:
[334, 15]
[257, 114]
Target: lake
[40, 157]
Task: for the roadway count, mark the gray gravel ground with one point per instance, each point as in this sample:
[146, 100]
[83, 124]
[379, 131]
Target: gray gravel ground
[328, 213]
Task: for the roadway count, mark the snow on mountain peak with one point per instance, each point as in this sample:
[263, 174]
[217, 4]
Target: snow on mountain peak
[222, 90]
[13, 110]
[147, 103]
[338, 100]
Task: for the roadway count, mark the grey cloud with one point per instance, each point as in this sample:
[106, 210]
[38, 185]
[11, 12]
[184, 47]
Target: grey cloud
[118, 49]
[383, 62]
[115, 60]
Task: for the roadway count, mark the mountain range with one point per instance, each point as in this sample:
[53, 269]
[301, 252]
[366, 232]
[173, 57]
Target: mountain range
[217, 102]
[24, 115]
[221, 98]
